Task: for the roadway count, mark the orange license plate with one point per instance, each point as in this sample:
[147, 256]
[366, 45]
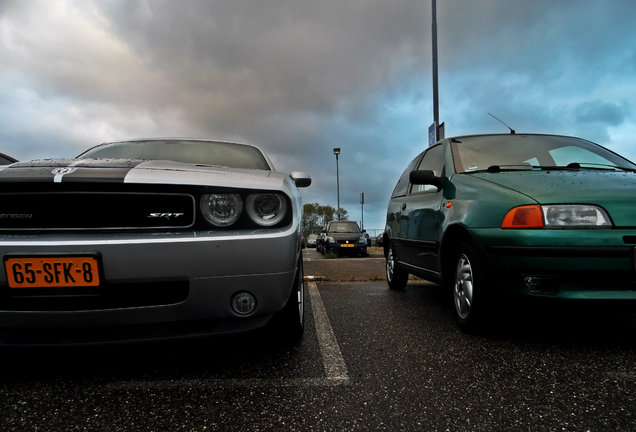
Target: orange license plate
[52, 271]
[346, 245]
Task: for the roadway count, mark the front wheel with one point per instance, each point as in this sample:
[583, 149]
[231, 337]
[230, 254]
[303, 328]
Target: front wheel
[289, 323]
[468, 287]
[396, 277]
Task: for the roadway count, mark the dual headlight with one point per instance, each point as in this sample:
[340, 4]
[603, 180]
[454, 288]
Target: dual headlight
[225, 209]
[557, 216]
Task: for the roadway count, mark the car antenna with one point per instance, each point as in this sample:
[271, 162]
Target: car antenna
[512, 131]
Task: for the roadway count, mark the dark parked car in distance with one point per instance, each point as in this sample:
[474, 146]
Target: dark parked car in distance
[6, 159]
[342, 237]
[522, 215]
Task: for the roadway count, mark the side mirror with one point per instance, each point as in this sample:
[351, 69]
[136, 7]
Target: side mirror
[301, 179]
[425, 177]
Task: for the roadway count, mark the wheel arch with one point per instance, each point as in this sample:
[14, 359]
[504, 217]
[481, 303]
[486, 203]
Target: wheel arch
[385, 243]
[454, 235]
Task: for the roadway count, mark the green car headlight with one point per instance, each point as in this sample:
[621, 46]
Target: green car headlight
[221, 210]
[575, 215]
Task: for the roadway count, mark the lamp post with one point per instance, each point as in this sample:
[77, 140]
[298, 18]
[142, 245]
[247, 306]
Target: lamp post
[336, 151]
[435, 85]
[439, 128]
[362, 209]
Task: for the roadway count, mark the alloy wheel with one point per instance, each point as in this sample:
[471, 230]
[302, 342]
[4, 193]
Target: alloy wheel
[463, 291]
[390, 265]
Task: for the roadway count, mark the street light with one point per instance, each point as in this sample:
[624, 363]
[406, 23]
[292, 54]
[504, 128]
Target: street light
[362, 210]
[336, 151]
[439, 128]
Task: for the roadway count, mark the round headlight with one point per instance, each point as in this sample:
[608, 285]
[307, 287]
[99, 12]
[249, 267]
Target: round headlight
[221, 210]
[266, 209]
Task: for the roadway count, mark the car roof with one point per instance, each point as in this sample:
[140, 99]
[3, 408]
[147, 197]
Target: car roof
[511, 135]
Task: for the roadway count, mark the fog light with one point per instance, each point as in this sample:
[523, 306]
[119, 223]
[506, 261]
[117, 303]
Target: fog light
[243, 303]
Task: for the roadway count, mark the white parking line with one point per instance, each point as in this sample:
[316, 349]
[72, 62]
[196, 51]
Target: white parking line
[332, 360]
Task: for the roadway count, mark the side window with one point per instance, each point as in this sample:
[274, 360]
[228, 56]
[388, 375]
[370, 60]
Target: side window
[403, 183]
[434, 161]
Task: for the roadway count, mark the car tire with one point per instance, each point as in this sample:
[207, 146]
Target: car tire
[396, 276]
[289, 323]
[467, 289]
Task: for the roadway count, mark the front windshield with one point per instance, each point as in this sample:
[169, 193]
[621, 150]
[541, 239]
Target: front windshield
[188, 151]
[527, 152]
[344, 227]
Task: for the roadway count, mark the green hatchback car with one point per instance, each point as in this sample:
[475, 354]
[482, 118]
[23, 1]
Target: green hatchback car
[520, 214]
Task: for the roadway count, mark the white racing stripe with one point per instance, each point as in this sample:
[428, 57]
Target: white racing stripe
[59, 173]
[333, 362]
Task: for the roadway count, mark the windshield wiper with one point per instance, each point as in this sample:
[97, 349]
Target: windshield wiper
[591, 165]
[573, 166]
[502, 168]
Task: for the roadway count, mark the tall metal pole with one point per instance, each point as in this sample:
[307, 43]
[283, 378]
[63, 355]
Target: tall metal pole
[336, 151]
[362, 209]
[338, 186]
[435, 89]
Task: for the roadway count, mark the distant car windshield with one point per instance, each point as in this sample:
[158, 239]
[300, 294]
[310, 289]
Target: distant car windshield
[526, 152]
[188, 151]
[343, 227]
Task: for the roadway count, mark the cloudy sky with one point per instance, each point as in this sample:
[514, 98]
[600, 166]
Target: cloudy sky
[299, 77]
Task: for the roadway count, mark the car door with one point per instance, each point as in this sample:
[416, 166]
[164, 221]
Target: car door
[423, 215]
[396, 222]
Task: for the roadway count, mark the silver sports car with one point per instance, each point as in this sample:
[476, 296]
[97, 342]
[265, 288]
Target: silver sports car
[149, 239]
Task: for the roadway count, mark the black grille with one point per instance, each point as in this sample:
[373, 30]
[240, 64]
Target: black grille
[95, 210]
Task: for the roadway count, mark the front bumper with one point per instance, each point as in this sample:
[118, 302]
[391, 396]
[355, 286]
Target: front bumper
[343, 248]
[570, 264]
[192, 278]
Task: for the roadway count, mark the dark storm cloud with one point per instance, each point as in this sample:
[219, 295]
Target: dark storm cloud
[600, 112]
[248, 65]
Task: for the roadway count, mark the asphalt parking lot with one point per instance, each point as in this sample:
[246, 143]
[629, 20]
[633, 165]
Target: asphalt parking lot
[345, 269]
[371, 359]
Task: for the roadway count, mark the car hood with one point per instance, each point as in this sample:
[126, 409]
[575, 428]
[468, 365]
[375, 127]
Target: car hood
[612, 190]
[139, 171]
